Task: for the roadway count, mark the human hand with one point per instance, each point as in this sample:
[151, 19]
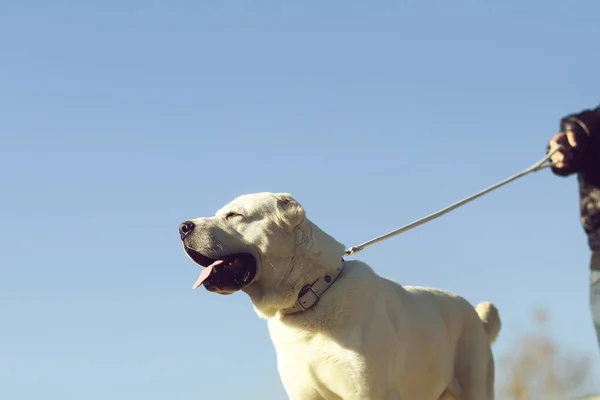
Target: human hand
[563, 158]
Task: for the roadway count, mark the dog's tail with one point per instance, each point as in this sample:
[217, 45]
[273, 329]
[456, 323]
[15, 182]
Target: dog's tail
[490, 317]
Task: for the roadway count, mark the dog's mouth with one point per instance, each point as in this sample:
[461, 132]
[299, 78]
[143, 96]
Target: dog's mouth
[225, 274]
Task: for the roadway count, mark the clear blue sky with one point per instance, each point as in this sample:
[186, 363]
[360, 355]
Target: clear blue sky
[120, 119]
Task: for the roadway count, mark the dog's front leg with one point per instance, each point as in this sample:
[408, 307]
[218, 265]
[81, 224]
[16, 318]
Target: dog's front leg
[378, 393]
[392, 394]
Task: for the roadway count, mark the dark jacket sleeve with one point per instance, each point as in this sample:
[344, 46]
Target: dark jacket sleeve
[586, 126]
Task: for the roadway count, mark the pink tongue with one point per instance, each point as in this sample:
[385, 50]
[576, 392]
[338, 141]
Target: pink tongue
[206, 273]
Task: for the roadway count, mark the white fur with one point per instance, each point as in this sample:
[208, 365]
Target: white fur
[368, 337]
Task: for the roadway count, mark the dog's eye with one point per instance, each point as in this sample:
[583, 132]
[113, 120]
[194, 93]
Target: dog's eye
[232, 214]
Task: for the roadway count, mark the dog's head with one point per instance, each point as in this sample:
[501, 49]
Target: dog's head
[263, 239]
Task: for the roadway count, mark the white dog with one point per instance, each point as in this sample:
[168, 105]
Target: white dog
[340, 330]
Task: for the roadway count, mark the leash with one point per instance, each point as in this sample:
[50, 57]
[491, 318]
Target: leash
[541, 164]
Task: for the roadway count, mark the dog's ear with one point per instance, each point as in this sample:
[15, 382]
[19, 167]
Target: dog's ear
[289, 210]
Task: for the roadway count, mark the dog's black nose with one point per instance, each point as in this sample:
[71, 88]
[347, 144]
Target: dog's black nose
[186, 228]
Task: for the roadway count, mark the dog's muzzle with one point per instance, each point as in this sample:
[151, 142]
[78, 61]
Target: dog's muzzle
[222, 273]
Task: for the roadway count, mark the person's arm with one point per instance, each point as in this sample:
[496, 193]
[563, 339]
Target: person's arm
[580, 140]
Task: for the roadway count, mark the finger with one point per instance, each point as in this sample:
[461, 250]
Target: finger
[555, 139]
[571, 138]
[558, 140]
[557, 157]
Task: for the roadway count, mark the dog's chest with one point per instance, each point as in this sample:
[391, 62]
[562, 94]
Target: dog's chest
[310, 363]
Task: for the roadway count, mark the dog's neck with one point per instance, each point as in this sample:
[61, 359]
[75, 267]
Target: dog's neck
[316, 263]
[310, 295]
[268, 303]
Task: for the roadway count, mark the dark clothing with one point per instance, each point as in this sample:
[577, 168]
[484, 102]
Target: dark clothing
[589, 194]
[586, 163]
[595, 261]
